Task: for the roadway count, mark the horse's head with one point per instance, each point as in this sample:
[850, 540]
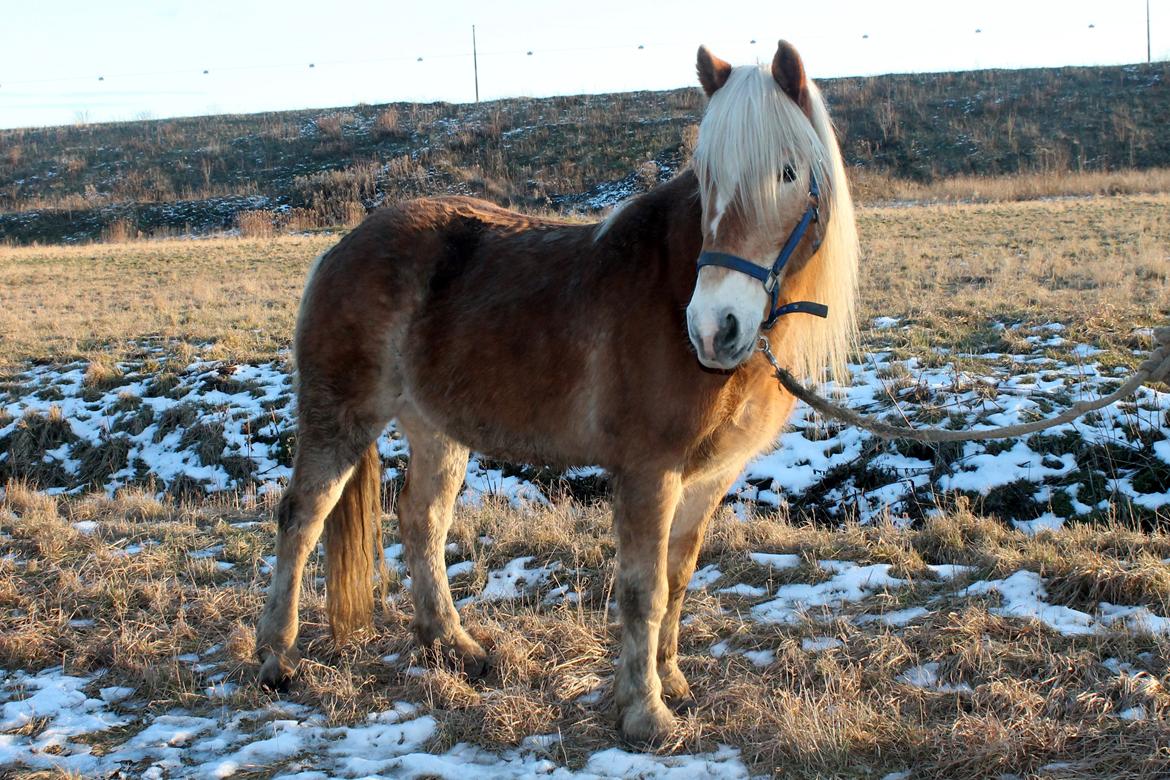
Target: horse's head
[765, 179]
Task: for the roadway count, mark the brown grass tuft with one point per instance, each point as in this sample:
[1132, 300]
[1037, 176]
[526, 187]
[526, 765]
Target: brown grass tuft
[256, 224]
[511, 715]
[386, 123]
[29, 444]
[120, 230]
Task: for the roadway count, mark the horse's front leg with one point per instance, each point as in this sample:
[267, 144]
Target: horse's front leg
[699, 499]
[644, 505]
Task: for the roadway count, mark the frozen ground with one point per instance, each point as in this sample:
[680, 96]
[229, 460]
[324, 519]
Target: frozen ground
[287, 740]
[84, 724]
[207, 427]
[211, 427]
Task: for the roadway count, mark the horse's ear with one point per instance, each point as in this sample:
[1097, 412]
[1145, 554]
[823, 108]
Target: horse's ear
[788, 70]
[713, 72]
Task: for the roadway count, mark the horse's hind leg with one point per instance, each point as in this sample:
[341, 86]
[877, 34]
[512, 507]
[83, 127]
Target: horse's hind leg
[699, 500]
[438, 465]
[324, 465]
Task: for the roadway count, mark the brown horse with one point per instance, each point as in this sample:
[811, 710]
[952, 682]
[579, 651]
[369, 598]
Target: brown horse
[545, 342]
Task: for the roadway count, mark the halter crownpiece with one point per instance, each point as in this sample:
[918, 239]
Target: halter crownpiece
[771, 276]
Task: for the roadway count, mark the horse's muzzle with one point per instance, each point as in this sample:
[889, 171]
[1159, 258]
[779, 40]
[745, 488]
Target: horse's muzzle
[726, 347]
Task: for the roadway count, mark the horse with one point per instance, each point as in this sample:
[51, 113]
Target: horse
[632, 344]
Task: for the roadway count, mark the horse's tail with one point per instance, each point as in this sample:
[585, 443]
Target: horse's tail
[353, 537]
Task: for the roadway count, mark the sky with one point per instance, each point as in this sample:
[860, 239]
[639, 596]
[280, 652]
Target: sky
[66, 61]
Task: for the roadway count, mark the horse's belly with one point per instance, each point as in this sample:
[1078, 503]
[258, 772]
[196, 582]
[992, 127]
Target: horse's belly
[520, 406]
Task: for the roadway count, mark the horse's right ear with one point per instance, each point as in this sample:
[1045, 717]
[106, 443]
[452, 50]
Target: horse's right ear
[713, 72]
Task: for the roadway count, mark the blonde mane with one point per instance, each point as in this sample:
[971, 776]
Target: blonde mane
[750, 132]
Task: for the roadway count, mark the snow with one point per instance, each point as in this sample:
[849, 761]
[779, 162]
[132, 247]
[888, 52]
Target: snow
[949, 571]
[1045, 522]
[745, 590]
[721, 764]
[776, 560]
[704, 577]
[60, 700]
[850, 582]
[290, 739]
[899, 617]
[926, 676]
[253, 406]
[47, 715]
[817, 644]
[983, 472]
[1023, 595]
[462, 567]
[515, 578]
[760, 657]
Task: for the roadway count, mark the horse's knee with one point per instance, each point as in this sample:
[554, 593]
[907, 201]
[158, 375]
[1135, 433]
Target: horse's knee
[286, 512]
[633, 602]
[639, 603]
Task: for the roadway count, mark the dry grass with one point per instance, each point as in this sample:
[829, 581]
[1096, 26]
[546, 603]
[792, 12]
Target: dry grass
[239, 296]
[874, 188]
[255, 223]
[1099, 265]
[120, 231]
[387, 123]
[1037, 698]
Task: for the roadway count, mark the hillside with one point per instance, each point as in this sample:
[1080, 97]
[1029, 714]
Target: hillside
[317, 168]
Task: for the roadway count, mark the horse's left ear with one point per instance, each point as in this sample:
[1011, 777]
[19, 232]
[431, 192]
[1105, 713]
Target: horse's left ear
[788, 70]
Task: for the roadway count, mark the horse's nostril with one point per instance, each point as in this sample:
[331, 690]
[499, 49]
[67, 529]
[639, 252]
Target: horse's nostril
[728, 333]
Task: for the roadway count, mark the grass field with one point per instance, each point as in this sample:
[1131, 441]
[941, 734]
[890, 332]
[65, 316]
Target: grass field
[1097, 264]
[939, 641]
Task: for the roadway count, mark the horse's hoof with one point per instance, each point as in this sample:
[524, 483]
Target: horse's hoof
[463, 654]
[276, 673]
[675, 688]
[476, 668]
[647, 723]
[474, 664]
[682, 705]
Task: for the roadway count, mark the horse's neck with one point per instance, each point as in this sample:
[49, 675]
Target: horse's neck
[663, 226]
[685, 212]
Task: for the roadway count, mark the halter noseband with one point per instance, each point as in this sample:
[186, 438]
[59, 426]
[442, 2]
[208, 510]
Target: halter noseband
[771, 276]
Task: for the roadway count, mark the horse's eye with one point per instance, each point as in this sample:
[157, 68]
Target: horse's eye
[788, 174]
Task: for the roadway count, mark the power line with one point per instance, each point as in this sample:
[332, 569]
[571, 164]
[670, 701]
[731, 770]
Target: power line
[475, 54]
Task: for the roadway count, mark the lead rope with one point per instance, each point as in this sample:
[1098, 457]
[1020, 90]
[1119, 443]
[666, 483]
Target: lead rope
[1156, 368]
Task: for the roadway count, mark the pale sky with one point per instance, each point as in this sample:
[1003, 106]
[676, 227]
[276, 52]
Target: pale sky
[150, 55]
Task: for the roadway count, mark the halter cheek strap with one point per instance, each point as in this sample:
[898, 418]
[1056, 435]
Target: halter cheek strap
[770, 277]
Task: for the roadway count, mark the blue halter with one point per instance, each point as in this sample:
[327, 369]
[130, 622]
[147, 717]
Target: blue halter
[771, 276]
